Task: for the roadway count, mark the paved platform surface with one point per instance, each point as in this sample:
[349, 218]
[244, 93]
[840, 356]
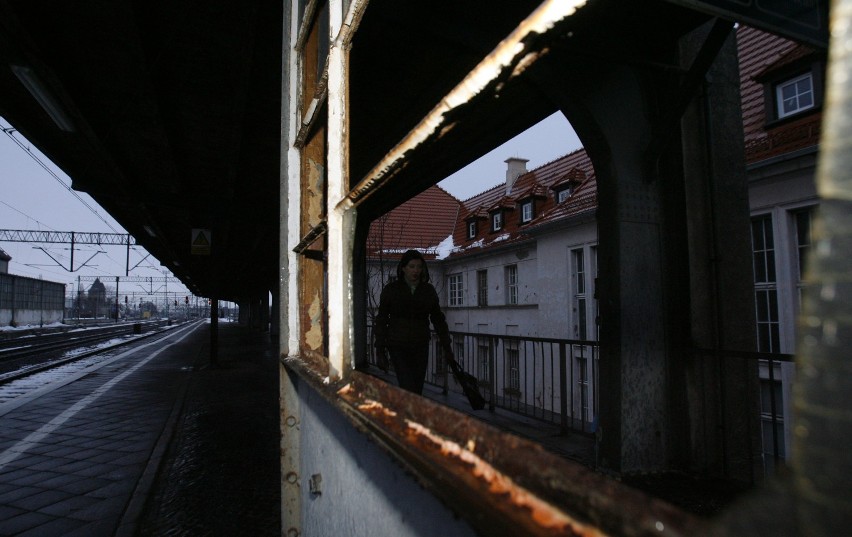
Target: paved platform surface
[158, 442]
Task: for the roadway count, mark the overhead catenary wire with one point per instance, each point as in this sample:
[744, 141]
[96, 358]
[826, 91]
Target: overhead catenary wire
[10, 132]
[25, 215]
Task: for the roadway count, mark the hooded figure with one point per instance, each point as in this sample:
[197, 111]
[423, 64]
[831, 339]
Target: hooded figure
[406, 306]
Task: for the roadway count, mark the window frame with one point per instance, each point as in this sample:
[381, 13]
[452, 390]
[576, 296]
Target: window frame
[780, 111]
[579, 296]
[471, 229]
[765, 274]
[455, 289]
[511, 285]
[482, 288]
[527, 211]
[496, 221]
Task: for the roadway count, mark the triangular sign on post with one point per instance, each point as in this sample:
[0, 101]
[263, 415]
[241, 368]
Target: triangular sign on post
[201, 242]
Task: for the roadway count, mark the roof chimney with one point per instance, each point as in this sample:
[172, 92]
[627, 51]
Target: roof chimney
[515, 167]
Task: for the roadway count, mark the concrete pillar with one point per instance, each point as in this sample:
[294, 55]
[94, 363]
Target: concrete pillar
[214, 330]
[633, 379]
[721, 393]
[244, 306]
[274, 328]
[263, 314]
[613, 119]
[663, 225]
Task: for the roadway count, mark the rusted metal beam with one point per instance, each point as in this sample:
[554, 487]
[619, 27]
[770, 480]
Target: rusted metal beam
[509, 59]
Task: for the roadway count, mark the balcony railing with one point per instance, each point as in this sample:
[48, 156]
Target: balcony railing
[552, 380]
[774, 424]
[557, 381]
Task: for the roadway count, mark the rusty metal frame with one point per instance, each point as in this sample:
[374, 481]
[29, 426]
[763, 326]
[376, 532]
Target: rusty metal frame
[476, 471]
[471, 466]
[510, 58]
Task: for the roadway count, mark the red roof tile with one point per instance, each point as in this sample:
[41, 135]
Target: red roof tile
[574, 166]
[421, 223]
[760, 54]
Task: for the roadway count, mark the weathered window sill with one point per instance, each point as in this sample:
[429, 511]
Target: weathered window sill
[501, 483]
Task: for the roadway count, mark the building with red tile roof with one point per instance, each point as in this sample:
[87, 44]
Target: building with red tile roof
[524, 252]
[782, 96]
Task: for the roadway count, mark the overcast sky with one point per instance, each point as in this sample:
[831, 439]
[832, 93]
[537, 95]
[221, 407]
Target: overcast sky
[36, 197]
[550, 139]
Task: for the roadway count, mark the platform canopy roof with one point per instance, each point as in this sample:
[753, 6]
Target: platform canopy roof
[168, 112]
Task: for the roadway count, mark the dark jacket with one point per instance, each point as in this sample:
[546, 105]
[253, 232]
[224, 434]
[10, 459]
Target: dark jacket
[403, 317]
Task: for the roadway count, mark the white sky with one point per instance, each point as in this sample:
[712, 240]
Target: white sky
[31, 198]
[35, 198]
[550, 139]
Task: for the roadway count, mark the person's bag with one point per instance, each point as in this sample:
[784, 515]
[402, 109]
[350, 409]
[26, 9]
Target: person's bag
[382, 358]
[468, 382]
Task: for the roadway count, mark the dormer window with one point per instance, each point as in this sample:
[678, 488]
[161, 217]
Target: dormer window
[795, 95]
[564, 194]
[472, 222]
[497, 221]
[526, 211]
[792, 86]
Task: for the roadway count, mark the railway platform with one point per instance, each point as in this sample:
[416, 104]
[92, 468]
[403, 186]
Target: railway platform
[159, 441]
[156, 441]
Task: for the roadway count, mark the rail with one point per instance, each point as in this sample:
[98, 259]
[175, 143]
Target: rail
[557, 381]
[550, 380]
[775, 374]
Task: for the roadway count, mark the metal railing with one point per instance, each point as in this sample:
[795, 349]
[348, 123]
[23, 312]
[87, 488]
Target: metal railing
[551, 380]
[557, 381]
[775, 424]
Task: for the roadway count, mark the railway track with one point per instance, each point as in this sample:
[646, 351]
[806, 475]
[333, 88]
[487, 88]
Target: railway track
[27, 358]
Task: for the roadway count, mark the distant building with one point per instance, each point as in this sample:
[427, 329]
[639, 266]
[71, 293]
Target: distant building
[97, 303]
[521, 247]
[4, 262]
[524, 253]
[28, 301]
[782, 97]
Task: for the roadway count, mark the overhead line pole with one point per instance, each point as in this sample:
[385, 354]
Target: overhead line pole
[78, 237]
[74, 238]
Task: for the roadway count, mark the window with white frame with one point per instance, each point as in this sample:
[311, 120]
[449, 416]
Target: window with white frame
[765, 285]
[482, 288]
[578, 293]
[455, 285]
[471, 229]
[527, 211]
[512, 284]
[563, 194]
[802, 220]
[795, 95]
[483, 358]
[513, 368]
[593, 254]
[497, 221]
